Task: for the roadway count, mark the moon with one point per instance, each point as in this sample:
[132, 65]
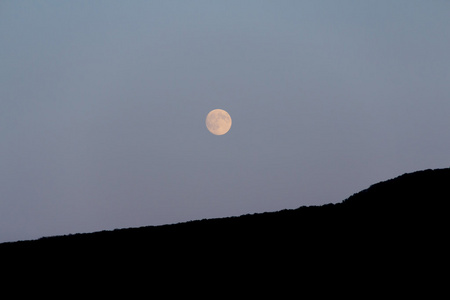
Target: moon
[218, 121]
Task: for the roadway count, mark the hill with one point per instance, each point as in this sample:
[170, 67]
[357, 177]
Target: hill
[383, 222]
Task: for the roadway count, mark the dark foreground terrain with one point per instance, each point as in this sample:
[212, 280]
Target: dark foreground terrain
[400, 225]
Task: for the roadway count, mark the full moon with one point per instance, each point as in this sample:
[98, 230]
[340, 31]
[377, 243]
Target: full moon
[218, 122]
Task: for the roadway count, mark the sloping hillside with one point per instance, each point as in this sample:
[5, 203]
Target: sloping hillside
[388, 217]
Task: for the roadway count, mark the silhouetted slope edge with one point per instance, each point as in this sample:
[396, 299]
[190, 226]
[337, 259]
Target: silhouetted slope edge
[408, 209]
[410, 205]
[427, 189]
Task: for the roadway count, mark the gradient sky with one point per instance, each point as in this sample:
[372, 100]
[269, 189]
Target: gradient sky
[103, 107]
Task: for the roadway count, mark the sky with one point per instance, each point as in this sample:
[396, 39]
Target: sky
[103, 107]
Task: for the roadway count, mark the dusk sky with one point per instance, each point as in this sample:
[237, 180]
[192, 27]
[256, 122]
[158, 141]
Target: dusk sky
[103, 107]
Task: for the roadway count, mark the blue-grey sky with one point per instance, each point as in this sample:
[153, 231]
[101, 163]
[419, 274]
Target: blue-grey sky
[103, 107]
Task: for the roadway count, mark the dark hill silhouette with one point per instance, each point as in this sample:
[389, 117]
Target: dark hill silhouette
[390, 221]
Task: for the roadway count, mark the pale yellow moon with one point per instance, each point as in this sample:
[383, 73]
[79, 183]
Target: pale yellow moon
[218, 122]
